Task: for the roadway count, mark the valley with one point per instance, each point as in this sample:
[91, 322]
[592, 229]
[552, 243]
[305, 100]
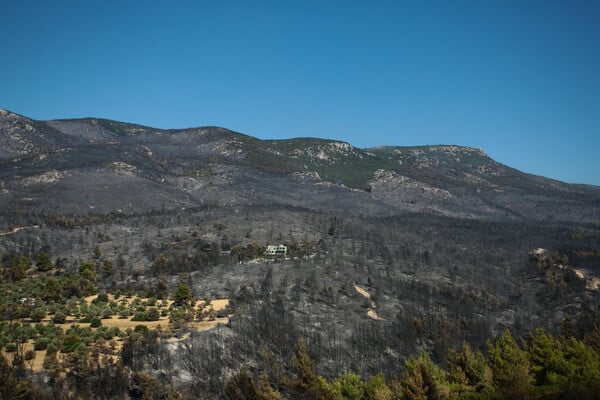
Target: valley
[392, 251]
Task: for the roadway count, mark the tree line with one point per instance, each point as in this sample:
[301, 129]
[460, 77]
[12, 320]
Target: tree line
[537, 366]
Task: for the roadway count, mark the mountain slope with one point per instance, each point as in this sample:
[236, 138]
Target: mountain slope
[440, 237]
[21, 136]
[92, 160]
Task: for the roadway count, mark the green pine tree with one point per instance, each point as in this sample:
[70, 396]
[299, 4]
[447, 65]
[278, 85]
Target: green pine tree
[510, 368]
[43, 262]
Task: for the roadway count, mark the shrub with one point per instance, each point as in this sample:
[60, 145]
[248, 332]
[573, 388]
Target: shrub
[140, 329]
[41, 343]
[40, 328]
[102, 298]
[183, 294]
[106, 333]
[37, 314]
[71, 343]
[95, 322]
[52, 348]
[43, 262]
[29, 355]
[10, 347]
[59, 318]
[152, 314]
[140, 316]
[52, 307]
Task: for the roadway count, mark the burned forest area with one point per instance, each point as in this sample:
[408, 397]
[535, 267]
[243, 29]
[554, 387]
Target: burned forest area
[140, 263]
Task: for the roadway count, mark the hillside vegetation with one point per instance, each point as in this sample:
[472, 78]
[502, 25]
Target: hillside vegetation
[403, 265]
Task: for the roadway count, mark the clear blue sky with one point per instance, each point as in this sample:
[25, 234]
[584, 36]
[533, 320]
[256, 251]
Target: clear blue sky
[520, 79]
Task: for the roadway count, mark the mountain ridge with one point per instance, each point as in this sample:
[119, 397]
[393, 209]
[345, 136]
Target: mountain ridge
[440, 179]
[120, 126]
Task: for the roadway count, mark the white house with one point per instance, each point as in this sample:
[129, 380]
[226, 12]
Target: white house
[278, 250]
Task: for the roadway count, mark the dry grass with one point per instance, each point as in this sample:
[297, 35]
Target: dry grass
[126, 323]
[36, 364]
[219, 304]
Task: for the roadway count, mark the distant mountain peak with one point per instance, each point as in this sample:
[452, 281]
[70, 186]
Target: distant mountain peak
[455, 149]
[449, 149]
[9, 114]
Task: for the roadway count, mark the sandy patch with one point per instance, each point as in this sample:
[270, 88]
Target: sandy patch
[592, 283]
[371, 313]
[17, 229]
[362, 291]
